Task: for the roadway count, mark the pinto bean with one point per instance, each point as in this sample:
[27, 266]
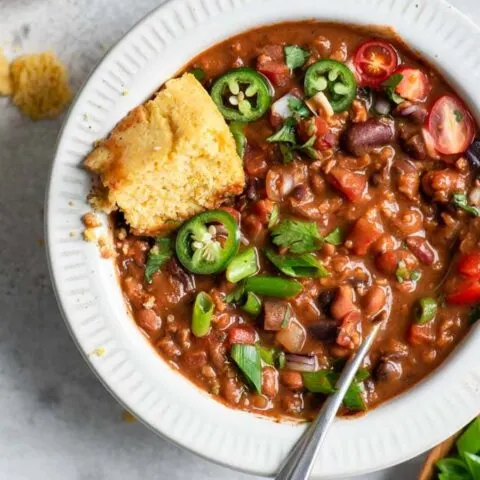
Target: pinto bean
[374, 301]
[364, 137]
[343, 303]
[269, 382]
[149, 321]
[421, 249]
[350, 334]
[388, 370]
[291, 380]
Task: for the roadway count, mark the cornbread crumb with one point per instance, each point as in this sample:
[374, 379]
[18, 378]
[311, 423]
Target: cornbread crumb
[90, 220]
[150, 302]
[90, 235]
[107, 250]
[40, 85]
[99, 351]
[5, 82]
[168, 159]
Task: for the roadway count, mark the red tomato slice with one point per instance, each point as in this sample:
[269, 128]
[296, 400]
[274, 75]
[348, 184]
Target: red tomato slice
[466, 293]
[451, 125]
[414, 85]
[469, 265]
[375, 61]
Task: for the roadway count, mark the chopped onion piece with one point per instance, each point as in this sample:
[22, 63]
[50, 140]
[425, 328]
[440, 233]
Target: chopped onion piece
[281, 108]
[474, 196]
[293, 336]
[430, 144]
[382, 106]
[302, 363]
[320, 101]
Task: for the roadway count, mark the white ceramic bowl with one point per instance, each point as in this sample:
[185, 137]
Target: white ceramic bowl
[90, 297]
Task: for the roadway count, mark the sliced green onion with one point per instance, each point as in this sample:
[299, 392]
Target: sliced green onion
[353, 399]
[274, 216]
[322, 381]
[268, 355]
[425, 310]
[202, 314]
[244, 265]
[248, 360]
[305, 265]
[281, 360]
[273, 286]
[252, 305]
[286, 316]
[236, 294]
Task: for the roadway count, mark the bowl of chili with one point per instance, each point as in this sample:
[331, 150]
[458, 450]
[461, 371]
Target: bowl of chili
[88, 290]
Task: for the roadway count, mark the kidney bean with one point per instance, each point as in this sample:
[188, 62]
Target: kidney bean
[292, 380]
[421, 249]
[364, 137]
[412, 111]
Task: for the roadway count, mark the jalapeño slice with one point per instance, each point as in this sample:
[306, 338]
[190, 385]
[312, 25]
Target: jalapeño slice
[199, 246]
[242, 95]
[335, 80]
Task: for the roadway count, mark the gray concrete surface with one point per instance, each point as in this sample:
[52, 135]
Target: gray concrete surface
[57, 422]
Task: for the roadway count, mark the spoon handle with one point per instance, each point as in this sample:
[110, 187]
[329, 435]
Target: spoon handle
[299, 463]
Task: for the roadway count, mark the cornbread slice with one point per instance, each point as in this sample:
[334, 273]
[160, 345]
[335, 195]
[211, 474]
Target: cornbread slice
[40, 85]
[5, 84]
[169, 159]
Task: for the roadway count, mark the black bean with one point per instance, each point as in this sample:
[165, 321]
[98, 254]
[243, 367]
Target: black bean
[324, 330]
[325, 300]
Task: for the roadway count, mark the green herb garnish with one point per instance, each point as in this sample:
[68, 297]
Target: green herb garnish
[298, 107]
[335, 237]
[295, 57]
[286, 134]
[248, 360]
[460, 201]
[298, 237]
[304, 265]
[390, 85]
[158, 255]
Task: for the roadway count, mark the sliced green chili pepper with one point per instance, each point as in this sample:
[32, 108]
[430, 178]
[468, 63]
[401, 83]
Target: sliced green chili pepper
[252, 305]
[202, 314]
[197, 247]
[273, 286]
[268, 355]
[305, 265]
[238, 132]
[425, 310]
[242, 95]
[244, 265]
[335, 80]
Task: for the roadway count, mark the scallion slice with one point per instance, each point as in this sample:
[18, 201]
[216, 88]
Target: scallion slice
[243, 265]
[202, 314]
[252, 305]
[248, 360]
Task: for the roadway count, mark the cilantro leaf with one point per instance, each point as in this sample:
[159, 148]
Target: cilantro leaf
[305, 265]
[390, 85]
[285, 134]
[158, 255]
[460, 201]
[458, 115]
[335, 237]
[307, 148]
[298, 107]
[295, 56]
[298, 237]
[274, 215]
[287, 152]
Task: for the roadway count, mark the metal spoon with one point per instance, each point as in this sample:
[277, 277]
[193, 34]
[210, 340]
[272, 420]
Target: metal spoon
[299, 463]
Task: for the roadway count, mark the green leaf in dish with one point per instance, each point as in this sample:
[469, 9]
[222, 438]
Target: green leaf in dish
[335, 237]
[295, 56]
[299, 237]
[248, 360]
[469, 441]
[305, 265]
[286, 134]
[473, 462]
[202, 314]
[158, 255]
[453, 466]
[243, 265]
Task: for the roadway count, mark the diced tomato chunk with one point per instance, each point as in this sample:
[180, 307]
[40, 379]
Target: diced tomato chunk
[263, 209]
[243, 334]
[364, 233]
[414, 85]
[466, 293]
[277, 73]
[469, 265]
[352, 185]
[422, 334]
[254, 161]
[318, 127]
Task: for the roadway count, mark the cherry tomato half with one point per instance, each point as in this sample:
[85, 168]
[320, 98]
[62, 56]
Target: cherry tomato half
[414, 85]
[451, 125]
[375, 61]
[469, 264]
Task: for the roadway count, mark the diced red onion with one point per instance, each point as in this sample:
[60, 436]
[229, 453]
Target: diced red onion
[301, 363]
[278, 184]
[430, 144]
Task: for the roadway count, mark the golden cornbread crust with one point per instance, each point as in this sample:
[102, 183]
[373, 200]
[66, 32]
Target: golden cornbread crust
[169, 159]
[40, 85]
[5, 84]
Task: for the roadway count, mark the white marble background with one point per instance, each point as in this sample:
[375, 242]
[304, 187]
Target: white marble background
[57, 422]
